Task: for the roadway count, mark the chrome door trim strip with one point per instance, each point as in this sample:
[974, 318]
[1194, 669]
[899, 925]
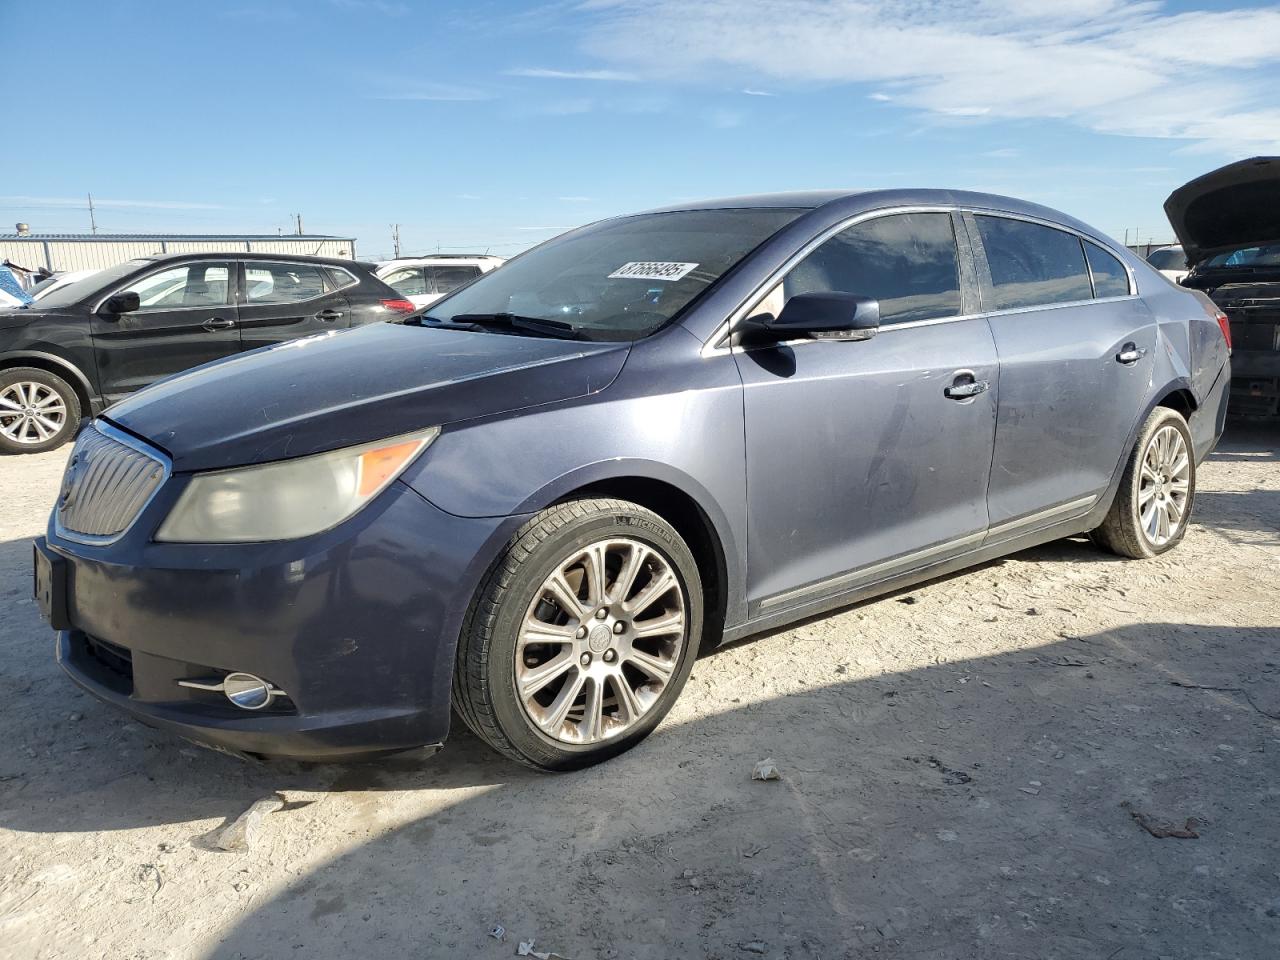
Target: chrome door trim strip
[1063, 511]
[903, 563]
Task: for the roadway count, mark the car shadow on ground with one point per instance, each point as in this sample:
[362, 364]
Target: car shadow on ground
[922, 813]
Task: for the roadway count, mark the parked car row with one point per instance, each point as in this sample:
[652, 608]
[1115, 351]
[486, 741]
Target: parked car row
[535, 501]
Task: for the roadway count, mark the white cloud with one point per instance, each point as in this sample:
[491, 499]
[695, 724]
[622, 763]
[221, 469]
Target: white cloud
[575, 199]
[757, 93]
[544, 73]
[1129, 68]
[83, 202]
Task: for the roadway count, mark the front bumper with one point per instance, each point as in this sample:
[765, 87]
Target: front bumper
[358, 626]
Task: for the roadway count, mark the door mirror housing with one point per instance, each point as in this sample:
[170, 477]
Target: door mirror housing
[824, 316]
[126, 302]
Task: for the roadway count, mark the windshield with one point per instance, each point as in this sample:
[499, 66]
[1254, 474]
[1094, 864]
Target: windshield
[86, 287]
[1262, 255]
[1170, 258]
[620, 280]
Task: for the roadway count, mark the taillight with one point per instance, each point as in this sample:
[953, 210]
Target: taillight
[399, 306]
[1225, 324]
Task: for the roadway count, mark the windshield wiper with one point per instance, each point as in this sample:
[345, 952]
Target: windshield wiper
[539, 325]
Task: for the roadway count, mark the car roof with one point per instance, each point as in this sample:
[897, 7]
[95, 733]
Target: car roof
[856, 201]
[441, 261]
[246, 255]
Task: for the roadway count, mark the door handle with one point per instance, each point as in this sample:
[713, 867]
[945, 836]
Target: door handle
[965, 386]
[1130, 353]
[218, 323]
[329, 315]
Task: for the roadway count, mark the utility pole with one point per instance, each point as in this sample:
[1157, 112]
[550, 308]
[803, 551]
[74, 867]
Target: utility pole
[93, 221]
[395, 239]
[298, 218]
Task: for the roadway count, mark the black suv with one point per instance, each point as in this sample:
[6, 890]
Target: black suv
[81, 348]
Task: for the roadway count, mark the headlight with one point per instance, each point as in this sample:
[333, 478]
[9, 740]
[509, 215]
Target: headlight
[289, 499]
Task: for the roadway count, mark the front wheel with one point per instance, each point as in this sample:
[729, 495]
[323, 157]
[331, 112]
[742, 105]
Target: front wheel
[581, 636]
[38, 410]
[1153, 505]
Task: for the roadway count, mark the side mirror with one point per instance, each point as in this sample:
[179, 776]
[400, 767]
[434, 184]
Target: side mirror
[827, 316]
[126, 302]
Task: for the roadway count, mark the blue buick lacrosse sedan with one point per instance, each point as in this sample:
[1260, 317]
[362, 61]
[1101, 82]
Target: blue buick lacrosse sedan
[536, 501]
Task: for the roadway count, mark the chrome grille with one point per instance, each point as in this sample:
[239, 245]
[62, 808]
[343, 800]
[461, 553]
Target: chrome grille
[109, 479]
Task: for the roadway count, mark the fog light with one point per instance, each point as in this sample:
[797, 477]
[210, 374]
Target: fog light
[246, 691]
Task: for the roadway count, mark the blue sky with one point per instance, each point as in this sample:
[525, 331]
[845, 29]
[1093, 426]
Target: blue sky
[481, 124]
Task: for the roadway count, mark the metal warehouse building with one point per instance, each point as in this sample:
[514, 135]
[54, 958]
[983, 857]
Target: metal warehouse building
[85, 251]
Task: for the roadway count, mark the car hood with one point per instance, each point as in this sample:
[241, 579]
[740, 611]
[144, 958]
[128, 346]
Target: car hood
[1233, 206]
[336, 390]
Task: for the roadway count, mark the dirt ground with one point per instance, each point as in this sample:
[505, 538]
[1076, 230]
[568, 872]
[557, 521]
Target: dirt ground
[966, 771]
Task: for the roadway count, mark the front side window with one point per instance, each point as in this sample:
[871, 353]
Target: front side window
[1033, 265]
[1110, 279]
[281, 282]
[408, 282]
[906, 261]
[449, 279]
[618, 280]
[188, 285]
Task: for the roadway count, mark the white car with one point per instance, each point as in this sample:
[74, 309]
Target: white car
[58, 280]
[1171, 261]
[424, 280]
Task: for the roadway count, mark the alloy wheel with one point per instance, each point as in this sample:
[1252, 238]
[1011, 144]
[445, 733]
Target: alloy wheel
[30, 412]
[1164, 483]
[600, 641]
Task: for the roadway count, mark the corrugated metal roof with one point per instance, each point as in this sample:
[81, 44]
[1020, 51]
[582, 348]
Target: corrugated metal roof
[127, 237]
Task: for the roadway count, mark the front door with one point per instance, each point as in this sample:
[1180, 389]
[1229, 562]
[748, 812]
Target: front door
[1076, 350]
[186, 317]
[284, 300]
[868, 459]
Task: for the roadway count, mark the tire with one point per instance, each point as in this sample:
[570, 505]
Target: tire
[1145, 494]
[517, 601]
[39, 410]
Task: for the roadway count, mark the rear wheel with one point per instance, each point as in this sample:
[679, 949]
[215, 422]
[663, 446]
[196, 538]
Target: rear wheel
[1153, 505]
[38, 410]
[581, 637]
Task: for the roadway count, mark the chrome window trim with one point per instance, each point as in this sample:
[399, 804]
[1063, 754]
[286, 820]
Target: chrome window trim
[127, 440]
[716, 344]
[229, 261]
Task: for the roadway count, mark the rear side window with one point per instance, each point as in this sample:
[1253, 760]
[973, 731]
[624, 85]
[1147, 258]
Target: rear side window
[906, 261]
[281, 282]
[449, 279]
[408, 282]
[1110, 279]
[1033, 265]
[339, 279]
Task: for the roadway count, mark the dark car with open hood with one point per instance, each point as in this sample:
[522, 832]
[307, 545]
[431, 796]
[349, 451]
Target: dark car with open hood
[531, 505]
[90, 343]
[1229, 224]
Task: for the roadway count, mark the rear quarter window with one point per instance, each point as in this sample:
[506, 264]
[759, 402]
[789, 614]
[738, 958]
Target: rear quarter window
[1110, 279]
[1032, 264]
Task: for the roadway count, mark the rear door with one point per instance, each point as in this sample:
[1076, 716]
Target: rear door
[186, 318]
[863, 459]
[283, 300]
[1076, 352]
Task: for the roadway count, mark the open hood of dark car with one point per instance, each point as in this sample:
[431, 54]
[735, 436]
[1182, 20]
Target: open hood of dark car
[324, 393]
[1233, 206]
